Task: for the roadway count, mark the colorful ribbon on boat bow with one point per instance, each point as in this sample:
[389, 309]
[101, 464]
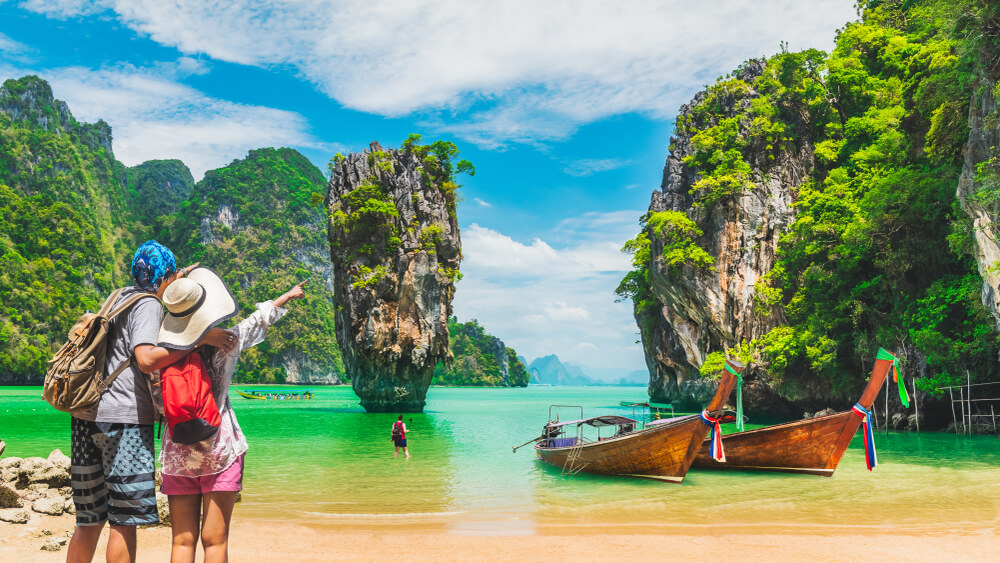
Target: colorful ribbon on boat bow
[867, 423]
[739, 397]
[715, 447]
[884, 354]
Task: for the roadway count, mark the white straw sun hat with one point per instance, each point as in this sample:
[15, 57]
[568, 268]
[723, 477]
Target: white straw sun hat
[195, 304]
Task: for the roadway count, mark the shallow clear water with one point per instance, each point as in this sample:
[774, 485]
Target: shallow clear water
[327, 461]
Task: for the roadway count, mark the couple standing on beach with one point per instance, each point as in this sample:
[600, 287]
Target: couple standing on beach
[113, 467]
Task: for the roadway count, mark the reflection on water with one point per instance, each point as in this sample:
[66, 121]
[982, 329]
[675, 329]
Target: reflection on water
[326, 461]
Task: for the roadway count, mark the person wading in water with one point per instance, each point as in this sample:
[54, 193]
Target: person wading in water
[399, 436]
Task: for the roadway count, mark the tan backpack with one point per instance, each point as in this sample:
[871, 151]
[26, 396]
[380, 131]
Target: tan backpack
[76, 378]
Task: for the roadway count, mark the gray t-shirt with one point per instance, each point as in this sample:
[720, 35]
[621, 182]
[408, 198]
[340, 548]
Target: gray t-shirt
[128, 399]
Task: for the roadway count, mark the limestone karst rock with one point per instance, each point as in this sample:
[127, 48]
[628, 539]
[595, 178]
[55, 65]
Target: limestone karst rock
[259, 223]
[704, 310]
[157, 188]
[395, 247]
[984, 137]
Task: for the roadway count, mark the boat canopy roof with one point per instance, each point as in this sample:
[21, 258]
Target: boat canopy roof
[669, 420]
[607, 420]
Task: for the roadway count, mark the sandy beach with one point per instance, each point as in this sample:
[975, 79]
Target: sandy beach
[263, 540]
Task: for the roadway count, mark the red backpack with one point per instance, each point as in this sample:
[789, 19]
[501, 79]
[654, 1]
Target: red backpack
[188, 403]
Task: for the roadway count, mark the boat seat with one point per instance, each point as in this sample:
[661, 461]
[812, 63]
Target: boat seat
[561, 443]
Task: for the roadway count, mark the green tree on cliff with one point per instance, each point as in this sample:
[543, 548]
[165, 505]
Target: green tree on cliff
[879, 251]
[254, 223]
[478, 358]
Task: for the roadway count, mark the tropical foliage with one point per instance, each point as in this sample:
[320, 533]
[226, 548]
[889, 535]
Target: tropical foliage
[880, 253]
[65, 228]
[254, 223]
[480, 359]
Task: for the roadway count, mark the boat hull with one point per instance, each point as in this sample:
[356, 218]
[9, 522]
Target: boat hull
[813, 446]
[804, 446]
[663, 453]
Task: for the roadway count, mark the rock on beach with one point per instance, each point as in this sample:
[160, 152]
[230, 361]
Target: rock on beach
[10, 468]
[14, 515]
[50, 505]
[36, 483]
[8, 496]
[53, 471]
[54, 544]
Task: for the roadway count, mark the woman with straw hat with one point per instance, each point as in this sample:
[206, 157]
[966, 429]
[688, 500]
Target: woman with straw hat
[201, 479]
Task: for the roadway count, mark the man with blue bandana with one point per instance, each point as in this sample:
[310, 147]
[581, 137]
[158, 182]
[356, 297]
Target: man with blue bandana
[112, 446]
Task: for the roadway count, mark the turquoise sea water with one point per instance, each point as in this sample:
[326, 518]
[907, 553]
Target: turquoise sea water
[327, 462]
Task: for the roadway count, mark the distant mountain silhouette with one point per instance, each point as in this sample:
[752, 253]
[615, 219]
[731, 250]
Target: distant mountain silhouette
[549, 370]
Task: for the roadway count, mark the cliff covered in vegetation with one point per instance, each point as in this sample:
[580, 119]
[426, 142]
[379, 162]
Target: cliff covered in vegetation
[480, 359]
[66, 231]
[260, 224]
[395, 247]
[808, 216]
[71, 216]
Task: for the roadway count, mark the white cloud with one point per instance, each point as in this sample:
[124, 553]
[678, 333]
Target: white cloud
[482, 203]
[8, 46]
[542, 298]
[591, 166]
[152, 115]
[63, 9]
[517, 71]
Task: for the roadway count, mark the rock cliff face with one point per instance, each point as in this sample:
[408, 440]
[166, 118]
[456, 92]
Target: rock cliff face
[259, 223]
[472, 347]
[66, 232]
[158, 187]
[984, 137]
[704, 311]
[395, 247]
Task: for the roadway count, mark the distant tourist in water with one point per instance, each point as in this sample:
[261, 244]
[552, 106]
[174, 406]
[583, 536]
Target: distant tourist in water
[398, 436]
[202, 478]
[112, 446]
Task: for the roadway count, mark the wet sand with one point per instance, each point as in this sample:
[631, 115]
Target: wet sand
[269, 540]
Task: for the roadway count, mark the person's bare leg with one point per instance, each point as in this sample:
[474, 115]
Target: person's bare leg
[121, 544]
[185, 515]
[407, 452]
[218, 509]
[397, 452]
[83, 544]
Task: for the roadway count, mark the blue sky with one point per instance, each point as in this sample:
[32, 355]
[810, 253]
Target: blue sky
[565, 107]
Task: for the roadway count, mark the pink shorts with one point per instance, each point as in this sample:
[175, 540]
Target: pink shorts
[229, 480]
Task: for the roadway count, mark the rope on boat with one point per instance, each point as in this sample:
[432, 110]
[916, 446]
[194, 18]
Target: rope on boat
[871, 459]
[884, 354]
[716, 442]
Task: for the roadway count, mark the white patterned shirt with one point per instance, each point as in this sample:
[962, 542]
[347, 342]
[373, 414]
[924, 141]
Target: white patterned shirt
[214, 455]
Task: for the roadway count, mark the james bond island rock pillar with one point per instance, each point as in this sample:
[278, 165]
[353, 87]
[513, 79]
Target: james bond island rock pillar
[395, 247]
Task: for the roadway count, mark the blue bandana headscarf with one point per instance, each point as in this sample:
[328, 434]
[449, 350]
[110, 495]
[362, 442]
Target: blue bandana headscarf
[151, 264]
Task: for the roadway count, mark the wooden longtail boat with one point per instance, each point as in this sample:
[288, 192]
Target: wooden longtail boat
[663, 449]
[813, 446]
[263, 395]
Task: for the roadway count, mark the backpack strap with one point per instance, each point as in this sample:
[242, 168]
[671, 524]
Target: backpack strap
[127, 304]
[110, 301]
[106, 383]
